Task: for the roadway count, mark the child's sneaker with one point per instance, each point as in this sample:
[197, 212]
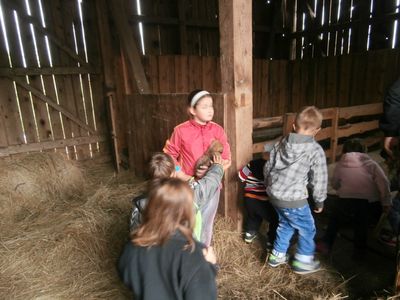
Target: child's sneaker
[305, 268]
[249, 237]
[275, 261]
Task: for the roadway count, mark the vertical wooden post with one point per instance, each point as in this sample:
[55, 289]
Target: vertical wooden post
[235, 23]
[334, 137]
[294, 44]
[182, 26]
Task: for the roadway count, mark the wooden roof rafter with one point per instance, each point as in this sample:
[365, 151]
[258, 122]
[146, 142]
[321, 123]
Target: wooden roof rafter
[129, 45]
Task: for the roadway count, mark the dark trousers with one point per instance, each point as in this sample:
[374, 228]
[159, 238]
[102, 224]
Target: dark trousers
[257, 211]
[360, 212]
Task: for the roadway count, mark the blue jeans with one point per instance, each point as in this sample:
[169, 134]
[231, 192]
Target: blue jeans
[290, 220]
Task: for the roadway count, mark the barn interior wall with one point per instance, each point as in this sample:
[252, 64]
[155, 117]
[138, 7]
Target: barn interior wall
[51, 94]
[281, 86]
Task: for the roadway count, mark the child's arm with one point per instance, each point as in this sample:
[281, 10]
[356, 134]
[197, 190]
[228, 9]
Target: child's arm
[210, 183]
[173, 146]
[318, 179]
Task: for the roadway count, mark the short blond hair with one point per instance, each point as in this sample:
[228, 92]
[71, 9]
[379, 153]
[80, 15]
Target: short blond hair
[309, 117]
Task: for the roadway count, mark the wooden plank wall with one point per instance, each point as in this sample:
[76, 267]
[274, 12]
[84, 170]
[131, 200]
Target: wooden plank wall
[280, 86]
[45, 58]
[178, 26]
[152, 119]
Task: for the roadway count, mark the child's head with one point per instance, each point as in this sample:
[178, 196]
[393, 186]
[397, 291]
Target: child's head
[170, 208]
[308, 121]
[161, 166]
[354, 145]
[200, 105]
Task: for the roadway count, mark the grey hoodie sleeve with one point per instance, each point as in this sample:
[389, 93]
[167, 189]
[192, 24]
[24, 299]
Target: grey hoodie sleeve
[319, 177]
[268, 165]
[208, 185]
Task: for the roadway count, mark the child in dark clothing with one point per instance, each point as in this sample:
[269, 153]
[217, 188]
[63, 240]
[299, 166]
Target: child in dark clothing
[363, 191]
[162, 260]
[256, 202]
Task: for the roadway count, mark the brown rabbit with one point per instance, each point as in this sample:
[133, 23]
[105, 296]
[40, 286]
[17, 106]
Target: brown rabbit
[206, 159]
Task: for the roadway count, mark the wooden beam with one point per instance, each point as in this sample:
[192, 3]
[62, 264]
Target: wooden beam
[31, 71]
[182, 26]
[105, 45]
[235, 23]
[51, 103]
[276, 8]
[357, 128]
[334, 137]
[267, 122]
[361, 110]
[129, 45]
[35, 147]
[44, 31]
[205, 24]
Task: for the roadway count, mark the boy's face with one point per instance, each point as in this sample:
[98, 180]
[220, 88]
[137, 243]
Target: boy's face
[204, 110]
[310, 131]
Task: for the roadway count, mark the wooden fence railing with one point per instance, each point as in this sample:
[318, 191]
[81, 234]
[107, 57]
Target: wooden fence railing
[336, 125]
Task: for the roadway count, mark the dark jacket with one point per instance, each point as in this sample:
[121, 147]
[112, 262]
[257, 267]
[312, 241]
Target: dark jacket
[390, 121]
[168, 271]
[138, 205]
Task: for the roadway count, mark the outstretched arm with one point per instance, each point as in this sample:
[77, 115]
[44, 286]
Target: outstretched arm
[319, 180]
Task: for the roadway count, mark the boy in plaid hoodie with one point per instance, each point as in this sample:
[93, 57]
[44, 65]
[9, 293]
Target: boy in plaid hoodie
[297, 162]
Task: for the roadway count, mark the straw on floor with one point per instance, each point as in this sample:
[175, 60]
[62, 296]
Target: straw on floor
[63, 226]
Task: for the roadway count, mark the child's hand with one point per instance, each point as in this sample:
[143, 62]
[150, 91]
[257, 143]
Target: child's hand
[318, 210]
[217, 159]
[181, 175]
[209, 255]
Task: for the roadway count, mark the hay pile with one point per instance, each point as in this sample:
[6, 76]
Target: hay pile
[66, 245]
[62, 230]
[36, 182]
[245, 275]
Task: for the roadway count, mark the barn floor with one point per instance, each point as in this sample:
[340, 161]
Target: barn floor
[365, 278]
[74, 249]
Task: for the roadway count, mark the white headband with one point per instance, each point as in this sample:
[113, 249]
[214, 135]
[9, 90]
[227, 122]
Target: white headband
[197, 97]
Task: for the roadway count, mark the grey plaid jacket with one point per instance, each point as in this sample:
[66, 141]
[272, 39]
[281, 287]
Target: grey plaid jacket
[296, 162]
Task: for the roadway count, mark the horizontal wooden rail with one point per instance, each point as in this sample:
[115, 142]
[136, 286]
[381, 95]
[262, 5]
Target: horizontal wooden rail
[267, 122]
[357, 128]
[360, 110]
[35, 147]
[333, 132]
